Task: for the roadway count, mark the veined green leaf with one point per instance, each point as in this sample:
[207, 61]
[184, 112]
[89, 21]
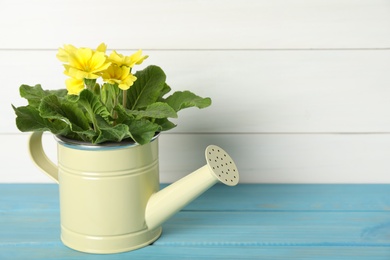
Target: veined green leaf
[142, 130]
[92, 105]
[147, 88]
[111, 133]
[34, 94]
[155, 110]
[165, 124]
[166, 89]
[90, 100]
[109, 96]
[52, 107]
[185, 99]
[28, 119]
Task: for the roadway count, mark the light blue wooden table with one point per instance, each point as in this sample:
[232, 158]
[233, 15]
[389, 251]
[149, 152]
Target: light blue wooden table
[243, 222]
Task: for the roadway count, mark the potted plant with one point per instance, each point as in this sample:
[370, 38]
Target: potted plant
[104, 100]
[106, 123]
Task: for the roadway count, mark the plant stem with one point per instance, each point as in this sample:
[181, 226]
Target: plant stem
[124, 98]
[115, 113]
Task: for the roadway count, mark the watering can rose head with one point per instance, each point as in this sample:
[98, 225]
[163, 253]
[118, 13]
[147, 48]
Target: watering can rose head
[104, 100]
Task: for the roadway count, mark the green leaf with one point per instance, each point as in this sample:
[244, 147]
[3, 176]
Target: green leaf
[109, 96]
[166, 89]
[34, 94]
[155, 110]
[92, 101]
[56, 109]
[147, 88]
[111, 133]
[165, 124]
[90, 83]
[142, 131]
[185, 99]
[28, 119]
[92, 105]
[52, 107]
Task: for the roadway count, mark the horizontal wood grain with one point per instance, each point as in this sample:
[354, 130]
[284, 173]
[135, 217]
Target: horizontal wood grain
[277, 228]
[353, 224]
[252, 91]
[174, 24]
[260, 158]
[284, 158]
[287, 197]
[58, 251]
[229, 228]
[247, 197]
[299, 88]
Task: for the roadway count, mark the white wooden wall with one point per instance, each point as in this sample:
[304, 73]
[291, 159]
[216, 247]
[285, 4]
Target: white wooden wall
[301, 88]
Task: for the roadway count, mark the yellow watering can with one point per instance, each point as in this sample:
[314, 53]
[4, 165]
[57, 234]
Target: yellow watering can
[109, 194]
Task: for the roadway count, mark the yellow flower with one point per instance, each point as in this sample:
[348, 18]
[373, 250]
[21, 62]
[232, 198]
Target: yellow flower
[74, 86]
[119, 75]
[119, 59]
[63, 53]
[138, 58]
[128, 61]
[102, 47]
[69, 49]
[85, 63]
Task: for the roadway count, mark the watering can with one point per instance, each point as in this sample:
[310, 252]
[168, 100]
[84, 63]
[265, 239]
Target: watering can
[110, 200]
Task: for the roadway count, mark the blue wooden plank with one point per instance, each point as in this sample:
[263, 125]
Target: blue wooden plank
[229, 228]
[60, 252]
[244, 197]
[25, 227]
[277, 228]
[295, 197]
[244, 222]
[29, 197]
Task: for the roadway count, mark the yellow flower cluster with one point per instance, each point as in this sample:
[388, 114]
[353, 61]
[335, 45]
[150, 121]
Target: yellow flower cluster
[85, 63]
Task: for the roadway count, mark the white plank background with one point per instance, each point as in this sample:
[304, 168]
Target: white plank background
[300, 89]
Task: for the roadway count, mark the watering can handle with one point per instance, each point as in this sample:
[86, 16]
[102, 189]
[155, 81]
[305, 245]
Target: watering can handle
[39, 157]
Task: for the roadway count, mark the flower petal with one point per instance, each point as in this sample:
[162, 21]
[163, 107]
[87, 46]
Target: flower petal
[102, 47]
[63, 53]
[74, 86]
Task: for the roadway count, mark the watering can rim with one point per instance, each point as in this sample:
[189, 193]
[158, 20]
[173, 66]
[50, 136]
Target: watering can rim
[82, 145]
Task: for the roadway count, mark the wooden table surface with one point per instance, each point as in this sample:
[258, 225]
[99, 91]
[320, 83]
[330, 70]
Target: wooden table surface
[249, 221]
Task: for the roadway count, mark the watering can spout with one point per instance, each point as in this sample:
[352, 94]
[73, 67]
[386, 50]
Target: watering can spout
[165, 203]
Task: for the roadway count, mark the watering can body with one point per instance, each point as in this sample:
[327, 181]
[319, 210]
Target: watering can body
[103, 194]
[109, 195]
